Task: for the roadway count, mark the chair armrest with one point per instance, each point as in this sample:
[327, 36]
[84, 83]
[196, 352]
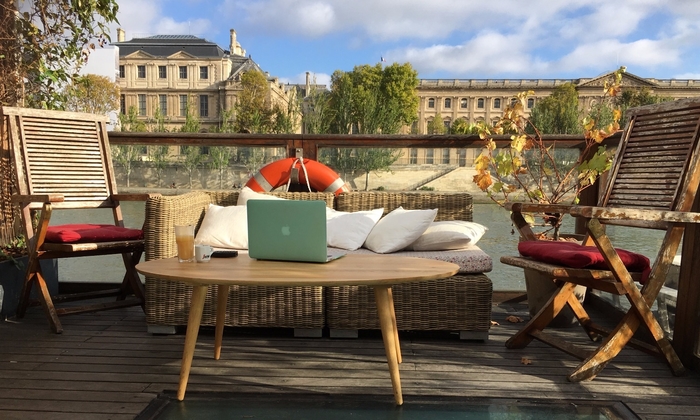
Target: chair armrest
[654, 216]
[538, 208]
[37, 198]
[134, 197]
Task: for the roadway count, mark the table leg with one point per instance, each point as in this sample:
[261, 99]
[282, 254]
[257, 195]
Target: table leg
[195, 318]
[221, 298]
[396, 328]
[389, 335]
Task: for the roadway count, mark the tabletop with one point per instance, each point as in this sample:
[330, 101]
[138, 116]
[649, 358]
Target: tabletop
[352, 269]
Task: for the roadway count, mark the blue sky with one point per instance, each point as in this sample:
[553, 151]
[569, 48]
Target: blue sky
[446, 39]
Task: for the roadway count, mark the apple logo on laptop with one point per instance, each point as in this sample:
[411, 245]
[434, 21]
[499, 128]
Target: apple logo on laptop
[285, 231]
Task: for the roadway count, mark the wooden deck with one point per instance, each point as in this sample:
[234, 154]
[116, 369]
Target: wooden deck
[106, 366]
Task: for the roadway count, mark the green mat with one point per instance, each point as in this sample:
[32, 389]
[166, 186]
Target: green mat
[370, 407]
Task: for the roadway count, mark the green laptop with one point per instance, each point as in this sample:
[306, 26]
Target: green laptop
[288, 230]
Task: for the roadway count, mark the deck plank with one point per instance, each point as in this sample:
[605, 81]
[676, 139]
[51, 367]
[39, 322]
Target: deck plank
[105, 365]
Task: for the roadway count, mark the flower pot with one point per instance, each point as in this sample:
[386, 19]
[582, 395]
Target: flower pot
[12, 278]
[540, 288]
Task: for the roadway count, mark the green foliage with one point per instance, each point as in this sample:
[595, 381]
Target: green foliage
[461, 126]
[638, 97]
[192, 123]
[130, 121]
[94, 94]
[158, 156]
[374, 99]
[125, 155]
[536, 170]
[52, 40]
[359, 160]
[219, 159]
[317, 114]
[436, 126]
[192, 160]
[253, 109]
[156, 124]
[558, 113]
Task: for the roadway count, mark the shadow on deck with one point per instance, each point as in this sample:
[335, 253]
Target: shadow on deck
[106, 366]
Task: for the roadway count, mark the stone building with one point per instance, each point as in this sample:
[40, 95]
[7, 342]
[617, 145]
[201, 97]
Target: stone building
[174, 73]
[485, 99]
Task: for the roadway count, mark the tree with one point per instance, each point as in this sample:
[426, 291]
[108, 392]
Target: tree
[126, 154]
[158, 156]
[192, 160]
[359, 160]
[94, 94]
[41, 50]
[461, 126]
[253, 108]
[374, 99]
[558, 113]
[316, 111]
[638, 97]
[219, 158]
[436, 126]
[45, 43]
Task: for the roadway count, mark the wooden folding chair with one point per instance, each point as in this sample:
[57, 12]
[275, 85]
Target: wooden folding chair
[652, 184]
[62, 161]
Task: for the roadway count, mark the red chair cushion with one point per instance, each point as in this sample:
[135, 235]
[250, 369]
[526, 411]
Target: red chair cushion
[570, 254]
[85, 233]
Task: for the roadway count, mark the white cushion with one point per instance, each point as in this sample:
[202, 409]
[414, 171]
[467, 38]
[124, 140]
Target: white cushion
[224, 227]
[453, 234]
[399, 229]
[348, 230]
[248, 194]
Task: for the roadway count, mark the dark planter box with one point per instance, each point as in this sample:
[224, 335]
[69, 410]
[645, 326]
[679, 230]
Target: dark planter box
[12, 277]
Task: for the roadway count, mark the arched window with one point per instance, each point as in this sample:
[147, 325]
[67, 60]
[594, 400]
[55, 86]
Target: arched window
[530, 103]
[480, 103]
[497, 103]
[448, 103]
[463, 103]
[431, 102]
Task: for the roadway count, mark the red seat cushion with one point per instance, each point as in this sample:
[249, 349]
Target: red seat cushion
[83, 233]
[570, 254]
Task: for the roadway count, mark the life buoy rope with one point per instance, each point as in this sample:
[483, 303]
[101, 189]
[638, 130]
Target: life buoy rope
[315, 175]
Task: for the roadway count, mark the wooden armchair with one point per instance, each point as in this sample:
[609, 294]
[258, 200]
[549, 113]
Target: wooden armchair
[652, 185]
[62, 161]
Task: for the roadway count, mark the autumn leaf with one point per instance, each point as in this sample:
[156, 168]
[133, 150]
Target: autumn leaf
[494, 323]
[514, 319]
[483, 181]
[526, 361]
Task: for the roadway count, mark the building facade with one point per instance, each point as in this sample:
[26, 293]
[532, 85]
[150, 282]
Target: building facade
[177, 74]
[477, 100]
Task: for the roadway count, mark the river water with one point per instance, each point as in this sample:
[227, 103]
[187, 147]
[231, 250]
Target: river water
[499, 240]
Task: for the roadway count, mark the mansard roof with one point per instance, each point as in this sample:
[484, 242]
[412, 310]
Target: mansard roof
[168, 45]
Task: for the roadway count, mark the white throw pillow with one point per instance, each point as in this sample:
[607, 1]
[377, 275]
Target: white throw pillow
[399, 229]
[453, 234]
[348, 230]
[248, 194]
[224, 227]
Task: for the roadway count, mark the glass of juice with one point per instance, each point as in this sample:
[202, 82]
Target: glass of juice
[184, 236]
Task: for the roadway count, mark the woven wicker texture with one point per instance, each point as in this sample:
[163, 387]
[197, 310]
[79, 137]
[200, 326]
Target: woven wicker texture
[461, 302]
[167, 302]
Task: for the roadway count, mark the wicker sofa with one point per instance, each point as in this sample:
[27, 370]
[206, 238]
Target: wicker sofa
[460, 303]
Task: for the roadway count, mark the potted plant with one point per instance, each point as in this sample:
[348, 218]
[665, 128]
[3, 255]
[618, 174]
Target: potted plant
[532, 169]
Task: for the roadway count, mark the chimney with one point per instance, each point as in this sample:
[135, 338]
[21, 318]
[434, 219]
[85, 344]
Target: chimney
[121, 35]
[232, 47]
[308, 83]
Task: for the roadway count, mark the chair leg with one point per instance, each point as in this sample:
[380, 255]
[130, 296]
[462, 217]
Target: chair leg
[543, 318]
[131, 282]
[582, 317]
[35, 276]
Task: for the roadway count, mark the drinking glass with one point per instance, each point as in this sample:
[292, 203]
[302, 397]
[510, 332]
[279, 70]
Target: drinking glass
[184, 236]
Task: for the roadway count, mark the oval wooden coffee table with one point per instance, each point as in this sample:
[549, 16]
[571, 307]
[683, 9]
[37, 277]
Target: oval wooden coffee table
[378, 271]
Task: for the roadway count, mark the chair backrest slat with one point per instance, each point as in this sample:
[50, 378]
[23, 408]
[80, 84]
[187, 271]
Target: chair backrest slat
[62, 153]
[655, 156]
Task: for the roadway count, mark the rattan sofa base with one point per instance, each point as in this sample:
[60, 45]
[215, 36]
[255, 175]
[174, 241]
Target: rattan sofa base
[460, 303]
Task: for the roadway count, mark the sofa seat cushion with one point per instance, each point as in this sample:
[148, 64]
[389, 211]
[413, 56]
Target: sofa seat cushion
[470, 259]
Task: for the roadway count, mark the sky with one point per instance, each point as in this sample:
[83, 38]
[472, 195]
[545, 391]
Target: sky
[441, 39]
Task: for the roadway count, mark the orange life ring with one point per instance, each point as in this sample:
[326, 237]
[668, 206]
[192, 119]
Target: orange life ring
[277, 173]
